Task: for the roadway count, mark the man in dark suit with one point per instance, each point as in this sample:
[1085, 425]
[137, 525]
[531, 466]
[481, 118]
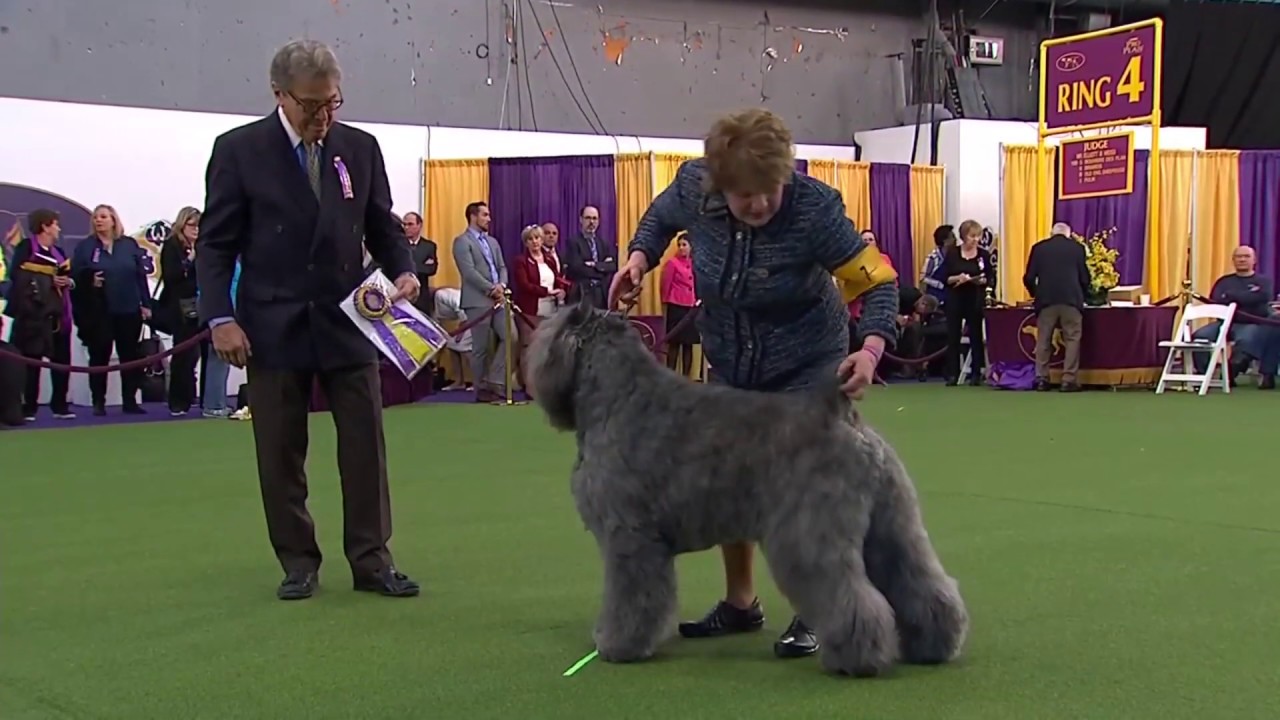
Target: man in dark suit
[1057, 277]
[590, 262]
[292, 196]
[425, 264]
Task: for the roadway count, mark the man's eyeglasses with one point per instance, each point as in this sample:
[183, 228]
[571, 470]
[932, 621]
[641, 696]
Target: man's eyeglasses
[313, 107]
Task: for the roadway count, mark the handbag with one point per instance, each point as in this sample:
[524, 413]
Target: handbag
[154, 387]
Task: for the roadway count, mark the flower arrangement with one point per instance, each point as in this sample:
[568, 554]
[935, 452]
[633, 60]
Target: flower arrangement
[1101, 261]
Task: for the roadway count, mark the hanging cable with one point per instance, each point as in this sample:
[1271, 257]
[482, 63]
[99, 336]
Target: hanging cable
[556, 61]
[574, 66]
[523, 59]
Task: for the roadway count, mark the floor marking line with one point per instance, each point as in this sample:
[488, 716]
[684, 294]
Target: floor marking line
[581, 663]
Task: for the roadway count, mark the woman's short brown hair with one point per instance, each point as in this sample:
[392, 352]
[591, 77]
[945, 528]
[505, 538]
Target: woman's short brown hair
[970, 227]
[749, 152]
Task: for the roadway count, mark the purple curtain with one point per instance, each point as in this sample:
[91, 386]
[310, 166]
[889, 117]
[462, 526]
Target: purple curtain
[802, 166]
[891, 214]
[1260, 207]
[1126, 213]
[532, 191]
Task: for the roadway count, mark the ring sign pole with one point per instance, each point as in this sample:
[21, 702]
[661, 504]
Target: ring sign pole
[1095, 81]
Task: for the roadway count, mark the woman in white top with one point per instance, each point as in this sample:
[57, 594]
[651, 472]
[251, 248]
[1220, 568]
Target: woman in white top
[538, 289]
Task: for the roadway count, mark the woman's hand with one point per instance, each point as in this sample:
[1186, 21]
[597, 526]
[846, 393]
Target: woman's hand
[857, 371]
[146, 313]
[558, 294]
[625, 287]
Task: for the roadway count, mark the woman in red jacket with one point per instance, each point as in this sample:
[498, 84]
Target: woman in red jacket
[538, 288]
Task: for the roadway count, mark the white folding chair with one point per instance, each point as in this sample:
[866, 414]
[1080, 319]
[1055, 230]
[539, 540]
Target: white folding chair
[1183, 347]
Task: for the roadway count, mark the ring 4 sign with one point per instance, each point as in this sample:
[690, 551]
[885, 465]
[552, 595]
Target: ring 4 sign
[1099, 80]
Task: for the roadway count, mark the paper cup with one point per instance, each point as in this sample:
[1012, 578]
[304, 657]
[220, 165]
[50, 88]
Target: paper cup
[1144, 299]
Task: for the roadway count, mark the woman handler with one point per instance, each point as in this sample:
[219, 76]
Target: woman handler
[767, 241]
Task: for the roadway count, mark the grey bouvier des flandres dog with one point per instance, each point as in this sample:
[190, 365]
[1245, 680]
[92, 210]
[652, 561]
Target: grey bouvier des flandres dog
[668, 466]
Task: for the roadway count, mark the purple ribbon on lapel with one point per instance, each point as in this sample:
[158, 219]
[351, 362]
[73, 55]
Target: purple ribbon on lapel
[344, 177]
[373, 304]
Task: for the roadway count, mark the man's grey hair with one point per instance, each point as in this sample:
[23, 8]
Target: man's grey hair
[303, 60]
[1060, 229]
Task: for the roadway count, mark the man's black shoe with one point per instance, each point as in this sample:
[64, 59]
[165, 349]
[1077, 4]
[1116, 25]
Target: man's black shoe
[1042, 385]
[797, 641]
[388, 582]
[725, 619]
[1070, 387]
[298, 585]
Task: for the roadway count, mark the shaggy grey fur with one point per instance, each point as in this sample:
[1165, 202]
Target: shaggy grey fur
[668, 466]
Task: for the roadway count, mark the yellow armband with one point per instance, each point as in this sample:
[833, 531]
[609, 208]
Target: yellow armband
[864, 271]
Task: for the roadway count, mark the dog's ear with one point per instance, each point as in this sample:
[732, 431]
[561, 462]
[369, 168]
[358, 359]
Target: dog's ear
[580, 311]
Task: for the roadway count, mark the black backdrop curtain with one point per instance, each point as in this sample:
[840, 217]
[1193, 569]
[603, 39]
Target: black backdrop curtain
[1222, 71]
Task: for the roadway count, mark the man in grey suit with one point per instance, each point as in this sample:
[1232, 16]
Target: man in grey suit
[484, 281]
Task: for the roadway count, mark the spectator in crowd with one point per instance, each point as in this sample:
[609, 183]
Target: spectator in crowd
[425, 262]
[1254, 331]
[932, 277]
[921, 330]
[550, 241]
[448, 306]
[1057, 278]
[484, 283]
[112, 299]
[967, 269]
[678, 300]
[538, 288]
[39, 301]
[772, 320]
[591, 260]
[217, 370]
[176, 308]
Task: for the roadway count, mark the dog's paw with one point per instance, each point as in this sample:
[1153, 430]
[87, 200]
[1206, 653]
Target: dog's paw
[620, 650]
[937, 633]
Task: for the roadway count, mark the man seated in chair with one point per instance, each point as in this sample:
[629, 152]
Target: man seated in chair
[1252, 339]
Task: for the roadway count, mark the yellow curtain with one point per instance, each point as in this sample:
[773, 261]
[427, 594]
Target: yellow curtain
[927, 196]
[664, 168]
[853, 180]
[633, 176]
[451, 184]
[1177, 173]
[1217, 224]
[1019, 230]
[824, 170]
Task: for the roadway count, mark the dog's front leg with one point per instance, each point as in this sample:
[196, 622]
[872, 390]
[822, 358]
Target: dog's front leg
[639, 599]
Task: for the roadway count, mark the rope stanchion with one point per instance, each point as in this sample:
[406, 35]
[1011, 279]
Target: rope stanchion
[103, 369]
[509, 372]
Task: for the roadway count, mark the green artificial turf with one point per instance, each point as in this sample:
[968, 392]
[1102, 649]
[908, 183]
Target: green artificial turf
[1119, 553]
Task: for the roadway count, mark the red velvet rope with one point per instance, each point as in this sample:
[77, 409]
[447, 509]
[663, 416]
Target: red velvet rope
[180, 347]
[658, 347]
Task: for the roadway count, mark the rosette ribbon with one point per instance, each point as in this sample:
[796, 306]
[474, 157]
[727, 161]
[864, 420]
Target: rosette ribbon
[411, 341]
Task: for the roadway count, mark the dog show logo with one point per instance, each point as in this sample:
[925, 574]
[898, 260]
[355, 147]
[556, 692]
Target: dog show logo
[151, 239]
[1029, 337]
[1070, 62]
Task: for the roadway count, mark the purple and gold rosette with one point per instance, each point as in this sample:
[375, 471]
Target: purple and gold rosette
[410, 342]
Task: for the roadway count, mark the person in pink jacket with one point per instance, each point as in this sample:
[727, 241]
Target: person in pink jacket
[678, 300]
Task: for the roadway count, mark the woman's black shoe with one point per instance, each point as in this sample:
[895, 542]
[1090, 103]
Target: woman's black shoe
[797, 641]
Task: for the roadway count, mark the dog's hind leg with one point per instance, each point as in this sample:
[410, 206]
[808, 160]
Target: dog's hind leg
[816, 560]
[639, 606]
[901, 561]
